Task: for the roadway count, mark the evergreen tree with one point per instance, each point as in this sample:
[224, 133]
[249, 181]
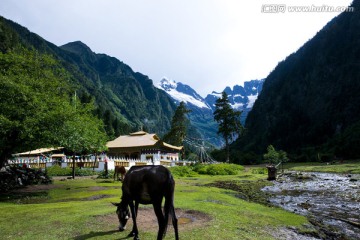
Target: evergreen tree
[229, 121]
[179, 124]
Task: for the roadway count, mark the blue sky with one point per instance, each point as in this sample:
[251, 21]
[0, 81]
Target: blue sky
[207, 44]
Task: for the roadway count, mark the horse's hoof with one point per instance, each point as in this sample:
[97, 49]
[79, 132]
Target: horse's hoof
[136, 238]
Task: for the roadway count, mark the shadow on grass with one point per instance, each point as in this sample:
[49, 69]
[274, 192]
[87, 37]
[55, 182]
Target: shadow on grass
[24, 197]
[98, 234]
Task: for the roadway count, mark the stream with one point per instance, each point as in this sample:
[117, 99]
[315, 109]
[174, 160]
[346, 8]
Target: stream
[331, 201]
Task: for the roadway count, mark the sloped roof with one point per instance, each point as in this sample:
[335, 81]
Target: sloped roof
[139, 139]
[38, 151]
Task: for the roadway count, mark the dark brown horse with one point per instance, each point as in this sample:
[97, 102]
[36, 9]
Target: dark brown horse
[119, 170]
[148, 185]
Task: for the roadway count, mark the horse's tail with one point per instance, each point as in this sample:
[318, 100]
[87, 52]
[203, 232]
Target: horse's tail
[169, 206]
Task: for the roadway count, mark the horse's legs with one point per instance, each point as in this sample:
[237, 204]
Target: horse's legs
[161, 220]
[169, 209]
[174, 221]
[116, 174]
[134, 232]
[136, 208]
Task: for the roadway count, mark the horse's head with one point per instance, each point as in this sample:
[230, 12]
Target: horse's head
[123, 214]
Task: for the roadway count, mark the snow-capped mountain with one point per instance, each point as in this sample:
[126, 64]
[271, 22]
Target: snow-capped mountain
[182, 92]
[241, 98]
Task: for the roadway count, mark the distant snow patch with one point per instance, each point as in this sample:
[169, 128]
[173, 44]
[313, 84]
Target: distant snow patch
[252, 99]
[182, 97]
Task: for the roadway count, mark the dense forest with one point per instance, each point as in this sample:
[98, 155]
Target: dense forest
[310, 103]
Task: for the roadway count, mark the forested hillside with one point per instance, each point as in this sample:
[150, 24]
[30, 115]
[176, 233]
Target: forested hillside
[41, 84]
[125, 100]
[310, 103]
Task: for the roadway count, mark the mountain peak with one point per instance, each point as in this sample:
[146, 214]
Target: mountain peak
[166, 84]
[240, 97]
[182, 93]
[76, 47]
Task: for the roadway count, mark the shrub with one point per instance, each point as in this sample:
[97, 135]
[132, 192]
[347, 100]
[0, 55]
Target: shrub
[274, 157]
[200, 168]
[183, 171]
[84, 172]
[103, 174]
[58, 171]
[218, 169]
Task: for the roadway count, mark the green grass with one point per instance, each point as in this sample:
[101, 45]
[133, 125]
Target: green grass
[69, 212]
[346, 167]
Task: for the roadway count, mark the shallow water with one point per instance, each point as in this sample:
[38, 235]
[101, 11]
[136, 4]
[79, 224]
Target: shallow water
[331, 199]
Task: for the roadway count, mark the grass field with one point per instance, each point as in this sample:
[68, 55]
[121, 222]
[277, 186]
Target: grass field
[82, 209]
[349, 167]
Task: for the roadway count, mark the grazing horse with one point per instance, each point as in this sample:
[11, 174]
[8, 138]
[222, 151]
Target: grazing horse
[121, 170]
[147, 185]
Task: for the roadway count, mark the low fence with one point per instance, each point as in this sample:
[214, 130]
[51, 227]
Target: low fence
[84, 164]
[98, 165]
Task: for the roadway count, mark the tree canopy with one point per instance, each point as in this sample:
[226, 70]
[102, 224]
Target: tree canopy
[36, 108]
[274, 157]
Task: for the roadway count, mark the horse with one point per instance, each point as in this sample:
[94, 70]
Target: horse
[147, 185]
[121, 170]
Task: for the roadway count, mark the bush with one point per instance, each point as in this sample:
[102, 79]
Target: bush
[218, 169]
[200, 168]
[183, 171]
[58, 171]
[84, 172]
[103, 175]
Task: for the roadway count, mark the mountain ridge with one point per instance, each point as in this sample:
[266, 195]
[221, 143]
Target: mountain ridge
[126, 100]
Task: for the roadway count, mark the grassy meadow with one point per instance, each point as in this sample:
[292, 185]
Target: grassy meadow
[82, 209]
[347, 167]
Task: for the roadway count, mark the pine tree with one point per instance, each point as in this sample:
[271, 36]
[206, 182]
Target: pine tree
[229, 122]
[179, 124]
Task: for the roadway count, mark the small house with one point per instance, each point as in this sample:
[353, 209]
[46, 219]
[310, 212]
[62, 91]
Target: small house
[38, 158]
